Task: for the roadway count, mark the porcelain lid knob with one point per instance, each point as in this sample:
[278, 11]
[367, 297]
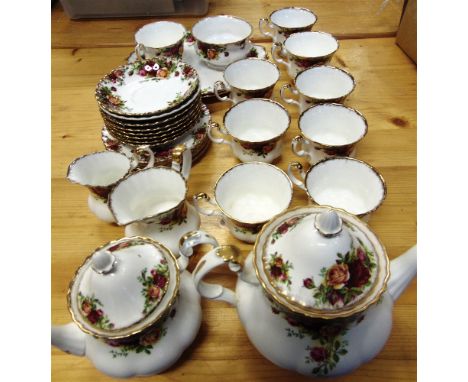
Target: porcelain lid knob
[103, 262]
[328, 223]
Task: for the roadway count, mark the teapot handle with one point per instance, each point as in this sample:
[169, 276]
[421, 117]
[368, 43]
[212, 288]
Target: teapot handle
[214, 258]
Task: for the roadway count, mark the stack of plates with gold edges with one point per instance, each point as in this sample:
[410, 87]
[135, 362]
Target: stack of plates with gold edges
[154, 102]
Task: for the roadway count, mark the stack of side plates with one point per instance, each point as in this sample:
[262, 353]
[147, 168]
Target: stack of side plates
[152, 102]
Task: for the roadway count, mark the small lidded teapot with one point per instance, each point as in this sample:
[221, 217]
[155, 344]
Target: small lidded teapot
[315, 295]
[136, 307]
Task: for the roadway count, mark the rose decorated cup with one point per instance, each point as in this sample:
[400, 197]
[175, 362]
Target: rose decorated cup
[286, 21]
[247, 196]
[221, 40]
[152, 203]
[305, 49]
[319, 84]
[342, 182]
[160, 39]
[247, 78]
[327, 130]
[256, 128]
[100, 172]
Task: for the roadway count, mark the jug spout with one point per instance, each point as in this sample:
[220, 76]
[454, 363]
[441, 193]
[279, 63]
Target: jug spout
[69, 338]
[402, 271]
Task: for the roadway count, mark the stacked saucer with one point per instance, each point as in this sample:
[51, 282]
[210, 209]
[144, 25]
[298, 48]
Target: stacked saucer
[153, 102]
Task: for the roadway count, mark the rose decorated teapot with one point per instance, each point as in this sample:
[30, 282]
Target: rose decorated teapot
[316, 293]
[135, 309]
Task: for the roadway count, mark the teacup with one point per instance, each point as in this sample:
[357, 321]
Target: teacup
[319, 84]
[329, 129]
[159, 40]
[247, 196]
[101, 171]
[247, 78]
[305, 49]
[342, 182]
[256, 127]
[221, 40]
[286, 21]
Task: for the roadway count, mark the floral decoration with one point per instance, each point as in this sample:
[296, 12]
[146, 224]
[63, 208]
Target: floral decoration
[189, 37]
[176, 217]
[345, 280]
[286, 226]
[248, 230]
[89, 307]
[304, 63]
[279, 269]
[211, 52]
[154, 285]
[261, 150]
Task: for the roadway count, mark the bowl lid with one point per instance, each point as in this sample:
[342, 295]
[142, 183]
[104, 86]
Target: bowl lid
[123, 287]
[321, 262]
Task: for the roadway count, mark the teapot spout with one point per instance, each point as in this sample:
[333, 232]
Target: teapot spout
[402, 271]
[69, 338]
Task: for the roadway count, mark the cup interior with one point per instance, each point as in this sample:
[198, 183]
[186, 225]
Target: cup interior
[256, 120]
[160, 34]
[311, 44]
[346, 183]
[251, 74]
[146, 194]
[293, 18]
[332, 125]
[253, 192]
[221, 30]
[324, 82]
[99, 169]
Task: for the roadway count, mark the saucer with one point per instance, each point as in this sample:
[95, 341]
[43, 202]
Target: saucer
[208, 76]
[169, 238]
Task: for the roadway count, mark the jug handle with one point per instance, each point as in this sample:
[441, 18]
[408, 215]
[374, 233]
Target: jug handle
[213, 259]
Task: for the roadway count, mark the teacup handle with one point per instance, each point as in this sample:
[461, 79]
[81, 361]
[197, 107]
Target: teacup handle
[297, 182]
[297, 147]
[218, 85]
[137, 52]
[293, 91]
[137, 155]
[182, 160]
[265, 22]
[275, 56]
[213, 138]
[202, 196]
[216, 257]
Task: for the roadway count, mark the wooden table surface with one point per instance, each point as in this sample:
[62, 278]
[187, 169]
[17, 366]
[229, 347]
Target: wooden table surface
[82, 51]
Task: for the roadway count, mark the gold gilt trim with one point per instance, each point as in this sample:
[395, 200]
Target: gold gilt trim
[293, 28]
[323, 56]
[226, 17]
[126, 332]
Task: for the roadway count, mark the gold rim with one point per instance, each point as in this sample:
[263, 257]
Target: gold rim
[328, 316]
[182, 39]
[330, 67]
[223, 16]
[169, 304]
[254, 90]
[377, 173]
[257, 100]
[334, 104]
[246, 164]
[293, 28]
[312, 57]
[179, 205]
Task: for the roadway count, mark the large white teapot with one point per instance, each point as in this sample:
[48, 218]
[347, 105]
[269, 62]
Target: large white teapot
[135, 309]
[316, 293]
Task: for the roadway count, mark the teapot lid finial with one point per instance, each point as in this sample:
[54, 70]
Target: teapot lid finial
[103, 262]
[328, 223]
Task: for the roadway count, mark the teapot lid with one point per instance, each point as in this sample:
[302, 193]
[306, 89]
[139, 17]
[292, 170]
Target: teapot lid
[321, 262]
[123, 287]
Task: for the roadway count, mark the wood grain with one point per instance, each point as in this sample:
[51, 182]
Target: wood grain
[343, 18]
[385, 94]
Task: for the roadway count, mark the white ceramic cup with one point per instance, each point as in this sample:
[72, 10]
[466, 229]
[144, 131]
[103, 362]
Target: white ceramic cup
[303, 50]
[247, 196]
[319, 84]
[101, 171]
[256, 128]
[160, 39]
[342, 182]
[328, 129]
[286, 21]
[221, 40]
[247, 78]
